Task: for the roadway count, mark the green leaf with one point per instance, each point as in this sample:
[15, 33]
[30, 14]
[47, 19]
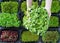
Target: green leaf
[37, 21]
[9, 20]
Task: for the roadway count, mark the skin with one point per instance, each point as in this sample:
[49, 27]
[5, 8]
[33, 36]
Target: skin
[47, 5]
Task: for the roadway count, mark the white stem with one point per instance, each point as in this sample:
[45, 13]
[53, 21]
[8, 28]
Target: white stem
[48, 6]
[29, 4]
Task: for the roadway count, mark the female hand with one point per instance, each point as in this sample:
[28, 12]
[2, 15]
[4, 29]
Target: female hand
[47, 5]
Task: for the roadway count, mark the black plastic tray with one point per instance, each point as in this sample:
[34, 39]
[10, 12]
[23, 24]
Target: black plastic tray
[22, 28]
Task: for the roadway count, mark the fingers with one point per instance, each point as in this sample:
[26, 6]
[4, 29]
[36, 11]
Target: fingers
[49, 13]
[48, 6]
[29, 4]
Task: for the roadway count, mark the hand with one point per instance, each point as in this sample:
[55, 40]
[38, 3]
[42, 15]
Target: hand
[48, 6]
[48, 11]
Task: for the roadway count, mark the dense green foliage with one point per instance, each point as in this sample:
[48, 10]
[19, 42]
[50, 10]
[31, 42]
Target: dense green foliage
[35, 21]
[43, 4]
[50, 36]
[35, 4]
[54, 21]
[9, 20]
[28, 36]
[9, 7]
[55, 7]
[24, 6]
[55, 0]
[59, 5]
